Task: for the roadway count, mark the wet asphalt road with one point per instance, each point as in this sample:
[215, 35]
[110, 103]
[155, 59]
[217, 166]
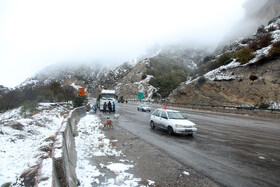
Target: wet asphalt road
[232, 150]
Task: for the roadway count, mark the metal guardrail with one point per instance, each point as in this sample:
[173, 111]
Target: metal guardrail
[207, 105]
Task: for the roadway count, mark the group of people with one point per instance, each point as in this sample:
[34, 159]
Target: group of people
[111, 107]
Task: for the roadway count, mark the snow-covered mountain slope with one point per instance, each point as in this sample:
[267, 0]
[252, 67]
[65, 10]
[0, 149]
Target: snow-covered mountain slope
[251, 80]
[67, 74]
[187, 56]
[237, 62]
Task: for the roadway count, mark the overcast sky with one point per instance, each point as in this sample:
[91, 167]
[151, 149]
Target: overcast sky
[37, 33]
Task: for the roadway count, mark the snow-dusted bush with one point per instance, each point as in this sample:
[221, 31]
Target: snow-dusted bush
[144, 76]
[222, 60]
[275, 50]
[261, 41]
[201, 80]
[28, 107]
[244, 55]
[80, 101]
[264, 105]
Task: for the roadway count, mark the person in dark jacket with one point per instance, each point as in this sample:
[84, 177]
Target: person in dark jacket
[110, 107]
[104, 108]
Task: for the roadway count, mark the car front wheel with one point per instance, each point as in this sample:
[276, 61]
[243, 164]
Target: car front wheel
[152, 125]
[170, 130]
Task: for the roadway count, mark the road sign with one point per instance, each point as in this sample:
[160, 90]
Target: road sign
[140, 95]
[82, 92]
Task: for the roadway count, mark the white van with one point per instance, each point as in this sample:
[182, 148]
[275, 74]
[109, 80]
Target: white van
[173, 121]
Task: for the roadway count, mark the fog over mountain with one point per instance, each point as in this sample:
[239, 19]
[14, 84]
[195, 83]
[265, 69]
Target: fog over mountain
[256, 13]
[37, 34]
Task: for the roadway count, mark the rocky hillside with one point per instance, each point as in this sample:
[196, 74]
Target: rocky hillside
[3, 89]
[127, 79]
[252, 84]
[135, 81]
[149, 75]
[250, 76]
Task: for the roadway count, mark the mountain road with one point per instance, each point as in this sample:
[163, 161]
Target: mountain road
[232, 150]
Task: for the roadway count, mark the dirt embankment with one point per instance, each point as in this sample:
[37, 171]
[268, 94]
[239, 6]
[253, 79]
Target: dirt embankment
[264, 88]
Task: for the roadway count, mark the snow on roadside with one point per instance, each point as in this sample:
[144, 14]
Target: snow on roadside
[20, 145]
[91, 142]
[20, 140]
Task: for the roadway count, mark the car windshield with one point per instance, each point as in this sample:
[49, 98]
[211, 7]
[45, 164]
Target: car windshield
[108, 96]
[175, 115]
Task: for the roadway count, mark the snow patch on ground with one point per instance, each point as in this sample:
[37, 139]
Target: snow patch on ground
[222, 72]
[274, 105]
[118, 167]
[92, 142]
[19, 149]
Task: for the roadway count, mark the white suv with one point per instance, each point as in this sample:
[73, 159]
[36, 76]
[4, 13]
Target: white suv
[173, 121]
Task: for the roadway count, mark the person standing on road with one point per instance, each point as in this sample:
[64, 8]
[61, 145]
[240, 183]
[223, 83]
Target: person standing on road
[110, 107]
[104, 108]
[114, 106]
[93, 109]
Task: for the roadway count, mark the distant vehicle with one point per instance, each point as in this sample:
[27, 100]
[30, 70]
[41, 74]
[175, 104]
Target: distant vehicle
[246, 107]
[173, 121]
[105, 96]
[121, 99]
[144, 108]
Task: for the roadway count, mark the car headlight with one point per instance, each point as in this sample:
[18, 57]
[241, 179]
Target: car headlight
[184, 126]
[180, 126]
[192, 126]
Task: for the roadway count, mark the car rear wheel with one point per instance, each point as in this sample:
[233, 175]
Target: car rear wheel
[152, 125]
[170, 130]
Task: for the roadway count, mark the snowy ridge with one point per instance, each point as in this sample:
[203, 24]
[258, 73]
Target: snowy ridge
[221, 73]
[217, 74]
